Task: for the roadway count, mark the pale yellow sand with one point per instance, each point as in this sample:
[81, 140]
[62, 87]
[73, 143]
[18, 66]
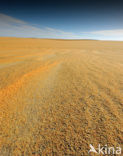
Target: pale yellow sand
[59, 96]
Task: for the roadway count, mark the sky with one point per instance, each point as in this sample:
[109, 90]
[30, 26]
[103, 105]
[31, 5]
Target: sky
[63, 19]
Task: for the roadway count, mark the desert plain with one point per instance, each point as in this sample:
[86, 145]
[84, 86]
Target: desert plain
[59, 96]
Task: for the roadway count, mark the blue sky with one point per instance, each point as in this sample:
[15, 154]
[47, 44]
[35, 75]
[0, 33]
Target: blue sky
[68, 20]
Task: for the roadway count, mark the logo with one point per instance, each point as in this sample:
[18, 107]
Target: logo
[105, 150]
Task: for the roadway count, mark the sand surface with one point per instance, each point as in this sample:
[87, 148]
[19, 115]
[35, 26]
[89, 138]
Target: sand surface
[59, 96]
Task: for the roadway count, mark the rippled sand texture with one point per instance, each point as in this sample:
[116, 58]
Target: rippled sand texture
[59, 96]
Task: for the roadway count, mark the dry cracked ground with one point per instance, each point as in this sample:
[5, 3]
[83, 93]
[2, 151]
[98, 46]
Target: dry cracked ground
[59, 96]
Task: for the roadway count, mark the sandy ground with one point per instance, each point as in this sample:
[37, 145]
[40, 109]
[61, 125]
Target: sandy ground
[59, 96]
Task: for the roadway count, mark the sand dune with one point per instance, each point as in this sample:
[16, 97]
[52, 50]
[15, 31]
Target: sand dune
[59, 96]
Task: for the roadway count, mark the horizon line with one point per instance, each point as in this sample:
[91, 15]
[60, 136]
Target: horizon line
[59, 39]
